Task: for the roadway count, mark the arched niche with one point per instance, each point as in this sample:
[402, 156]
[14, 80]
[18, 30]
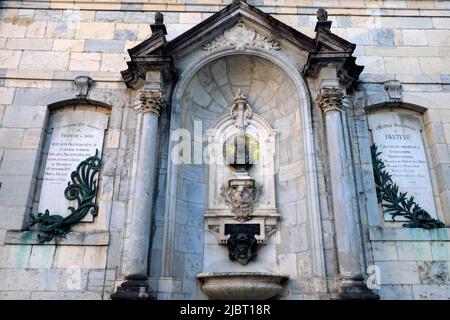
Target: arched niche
[277, 94]
[76, 129]
[406, 119]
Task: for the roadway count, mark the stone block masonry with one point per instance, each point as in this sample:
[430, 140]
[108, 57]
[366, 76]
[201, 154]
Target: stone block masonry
[45, 44]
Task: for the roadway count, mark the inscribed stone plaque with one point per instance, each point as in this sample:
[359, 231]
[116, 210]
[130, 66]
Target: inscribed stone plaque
[399, 138]
[75, 136]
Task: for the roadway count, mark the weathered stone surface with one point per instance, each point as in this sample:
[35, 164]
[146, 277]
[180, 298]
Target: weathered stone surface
[382, 37]
[431, 292]
[97, 30]
[15, 257]
[29, 44]
[414, 37]
[9, 58]
[24, 117]
[399, 273]
[373, 64]
[125, 34]
[104, 46]
[384, 251]
[113, 62]
[72, 238]
[433, 272]
[408, 234]
[414, 251]
[60, 30]
[85, 61]
[18, 162]
[68, 45]
[41, 257]
[15, 295]
[61, 295]
[441, 251]
[38, 60]
[7, 28]
[396, 292]
[10, 138]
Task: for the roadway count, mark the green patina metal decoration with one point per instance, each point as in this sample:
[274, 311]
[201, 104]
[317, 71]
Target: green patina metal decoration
[83, 189]
[397, 203]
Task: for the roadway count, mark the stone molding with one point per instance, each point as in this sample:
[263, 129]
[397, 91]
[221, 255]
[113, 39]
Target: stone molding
[99, 238]
[330, 99]
[408, 234]
[152, 102]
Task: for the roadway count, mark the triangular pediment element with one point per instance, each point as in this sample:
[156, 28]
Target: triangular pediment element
[239, 25]
[235, 13]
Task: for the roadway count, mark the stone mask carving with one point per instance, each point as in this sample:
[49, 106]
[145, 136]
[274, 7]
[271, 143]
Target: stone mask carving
[242, 247]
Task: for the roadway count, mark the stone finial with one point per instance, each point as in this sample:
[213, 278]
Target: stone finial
[330, 99]
[393, 90]
[322, 20]
[152, 102]
[159, 18]
[83, 85]
[322, 14]
[158, 27]
[241, 111]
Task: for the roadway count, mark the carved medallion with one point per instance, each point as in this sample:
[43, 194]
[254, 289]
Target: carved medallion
[241, 197]
[241, 36]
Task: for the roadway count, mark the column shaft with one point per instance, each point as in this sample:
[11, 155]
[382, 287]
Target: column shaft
[136, 285]
[346, 221]
[139, 232]
[347, 231]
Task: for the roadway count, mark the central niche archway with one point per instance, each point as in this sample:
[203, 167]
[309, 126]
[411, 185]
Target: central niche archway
[206, 97]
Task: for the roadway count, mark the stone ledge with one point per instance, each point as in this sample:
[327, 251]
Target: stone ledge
[100, 238]
[408, 234]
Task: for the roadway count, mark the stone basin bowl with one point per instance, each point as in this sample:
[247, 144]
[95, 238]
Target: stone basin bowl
[242, 285]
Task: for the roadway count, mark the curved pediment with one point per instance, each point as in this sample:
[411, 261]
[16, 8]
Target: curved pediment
[239, 26]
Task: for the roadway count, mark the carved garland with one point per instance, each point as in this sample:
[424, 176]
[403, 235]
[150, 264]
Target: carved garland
[397, 203]
[240, 36]
[83, 188]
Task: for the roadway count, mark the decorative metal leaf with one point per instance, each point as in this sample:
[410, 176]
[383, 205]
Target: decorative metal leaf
[397, 203]
[82, 188]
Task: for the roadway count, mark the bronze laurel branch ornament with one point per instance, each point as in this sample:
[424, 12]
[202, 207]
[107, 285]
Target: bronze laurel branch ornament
[82, 188]
[397, 203]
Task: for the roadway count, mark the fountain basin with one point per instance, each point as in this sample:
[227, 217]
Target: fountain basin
[242, 285]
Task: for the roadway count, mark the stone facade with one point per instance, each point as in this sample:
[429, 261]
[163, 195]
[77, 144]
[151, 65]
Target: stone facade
[45, 45]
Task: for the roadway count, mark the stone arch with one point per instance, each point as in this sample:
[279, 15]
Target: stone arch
[60, 107]
[74, 102]
[303, 106]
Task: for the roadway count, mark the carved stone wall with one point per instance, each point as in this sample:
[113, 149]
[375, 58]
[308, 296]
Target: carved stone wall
[44, 45]
[207, 97]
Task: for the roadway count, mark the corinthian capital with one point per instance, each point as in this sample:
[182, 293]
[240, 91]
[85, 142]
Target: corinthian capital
[330, 99]
[151, 102]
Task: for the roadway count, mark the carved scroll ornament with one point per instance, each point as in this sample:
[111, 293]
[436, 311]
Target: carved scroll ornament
[241, 36]
[82, 188]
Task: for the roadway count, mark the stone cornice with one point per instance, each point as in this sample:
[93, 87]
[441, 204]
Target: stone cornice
[332, 49]
[384, 10]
